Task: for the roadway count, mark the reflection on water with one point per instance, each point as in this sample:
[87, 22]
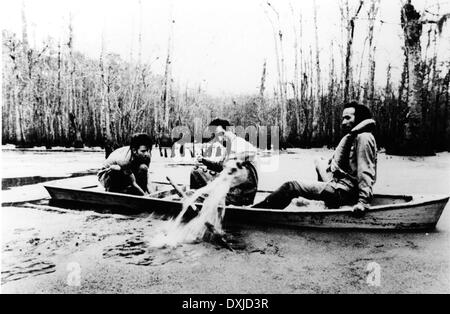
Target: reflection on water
[26, 268]
[8, 183]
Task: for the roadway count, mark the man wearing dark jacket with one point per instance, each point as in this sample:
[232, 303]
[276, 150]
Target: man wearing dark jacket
[350, 174]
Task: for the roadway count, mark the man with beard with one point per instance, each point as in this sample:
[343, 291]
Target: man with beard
[126, 169]
[350, 174]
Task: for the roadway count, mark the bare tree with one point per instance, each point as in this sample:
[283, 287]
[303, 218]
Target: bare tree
[349, 49]
[416, 136]
[297, 67]
[316, 128]
[74, 129]
[369, 89]
[167, 93]
[282, 84]
[104, 109]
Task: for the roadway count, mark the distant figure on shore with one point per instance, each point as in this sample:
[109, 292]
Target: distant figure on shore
[126, 169]
[238, 149]
[166, 143]
[350, 174]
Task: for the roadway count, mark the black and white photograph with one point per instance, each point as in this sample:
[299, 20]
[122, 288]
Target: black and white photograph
[228, 148]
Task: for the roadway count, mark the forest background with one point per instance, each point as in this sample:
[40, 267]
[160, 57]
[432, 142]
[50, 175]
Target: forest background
[56, 94]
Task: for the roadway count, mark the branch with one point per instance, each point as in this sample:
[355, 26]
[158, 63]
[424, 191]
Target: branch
[43, 50]
[359, 8]
[429, 12]
[440, 22]
[276, 12]
[39, 55]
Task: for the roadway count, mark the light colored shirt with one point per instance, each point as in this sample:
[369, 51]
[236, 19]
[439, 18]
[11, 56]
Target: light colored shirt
[240, 147]
[121, 157]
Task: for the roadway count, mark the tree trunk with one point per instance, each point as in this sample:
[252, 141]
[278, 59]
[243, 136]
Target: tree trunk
[285, 131]
[331, 99]
[262, 88]
[74, 130]
[446, 88]
[349, 52]
[104, 110]
[317, 110]
[167, 92]
[17, 115]
[416, 141]
[282, 85]
[370, 86]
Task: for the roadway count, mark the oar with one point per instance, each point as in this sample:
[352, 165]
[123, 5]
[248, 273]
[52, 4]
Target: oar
[176, 187]
[180, 193]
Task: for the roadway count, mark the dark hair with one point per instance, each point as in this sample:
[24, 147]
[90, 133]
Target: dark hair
[220, 122]
[361, 112]
[139, 139]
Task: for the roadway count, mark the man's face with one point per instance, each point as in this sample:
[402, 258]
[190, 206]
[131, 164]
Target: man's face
[142, 154]
[219, 132]
[348, 119]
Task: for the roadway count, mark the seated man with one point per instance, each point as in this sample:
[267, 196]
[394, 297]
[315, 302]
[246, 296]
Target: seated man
[351, 172]
[243, 193]
[126, 169]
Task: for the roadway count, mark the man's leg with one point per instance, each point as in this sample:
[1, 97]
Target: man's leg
[283, 196]
[321, 166]
[116, 181]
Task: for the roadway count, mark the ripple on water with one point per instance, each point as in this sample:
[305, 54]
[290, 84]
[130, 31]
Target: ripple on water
[26, 268]
[137, 251]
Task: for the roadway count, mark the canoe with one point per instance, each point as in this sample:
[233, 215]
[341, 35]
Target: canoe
[387, 212]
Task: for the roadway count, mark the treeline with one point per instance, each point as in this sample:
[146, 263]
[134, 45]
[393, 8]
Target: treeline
[57, 96]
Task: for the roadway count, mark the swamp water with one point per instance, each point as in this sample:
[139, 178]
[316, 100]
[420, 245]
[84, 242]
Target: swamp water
[44, 236]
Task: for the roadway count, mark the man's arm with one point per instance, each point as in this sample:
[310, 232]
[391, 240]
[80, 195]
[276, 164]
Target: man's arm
[366, 151]
[117, 161]
[135, 185]
[216, 166]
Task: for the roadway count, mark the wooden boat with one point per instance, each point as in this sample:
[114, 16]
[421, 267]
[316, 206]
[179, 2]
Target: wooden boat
[387, 212]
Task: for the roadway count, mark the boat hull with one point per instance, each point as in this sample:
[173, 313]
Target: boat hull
[413, 213]
[417, 217]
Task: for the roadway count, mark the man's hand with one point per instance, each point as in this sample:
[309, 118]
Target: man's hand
[359, 209]
[200, 159]
[114, 167]
[133, 179]
[134, 183]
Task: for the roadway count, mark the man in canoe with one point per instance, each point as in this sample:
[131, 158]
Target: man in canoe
[126, 169]
[244, 187]
[348, 178]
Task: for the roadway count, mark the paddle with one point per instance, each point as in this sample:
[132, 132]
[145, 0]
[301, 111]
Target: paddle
[180, 193]
[176, 187]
